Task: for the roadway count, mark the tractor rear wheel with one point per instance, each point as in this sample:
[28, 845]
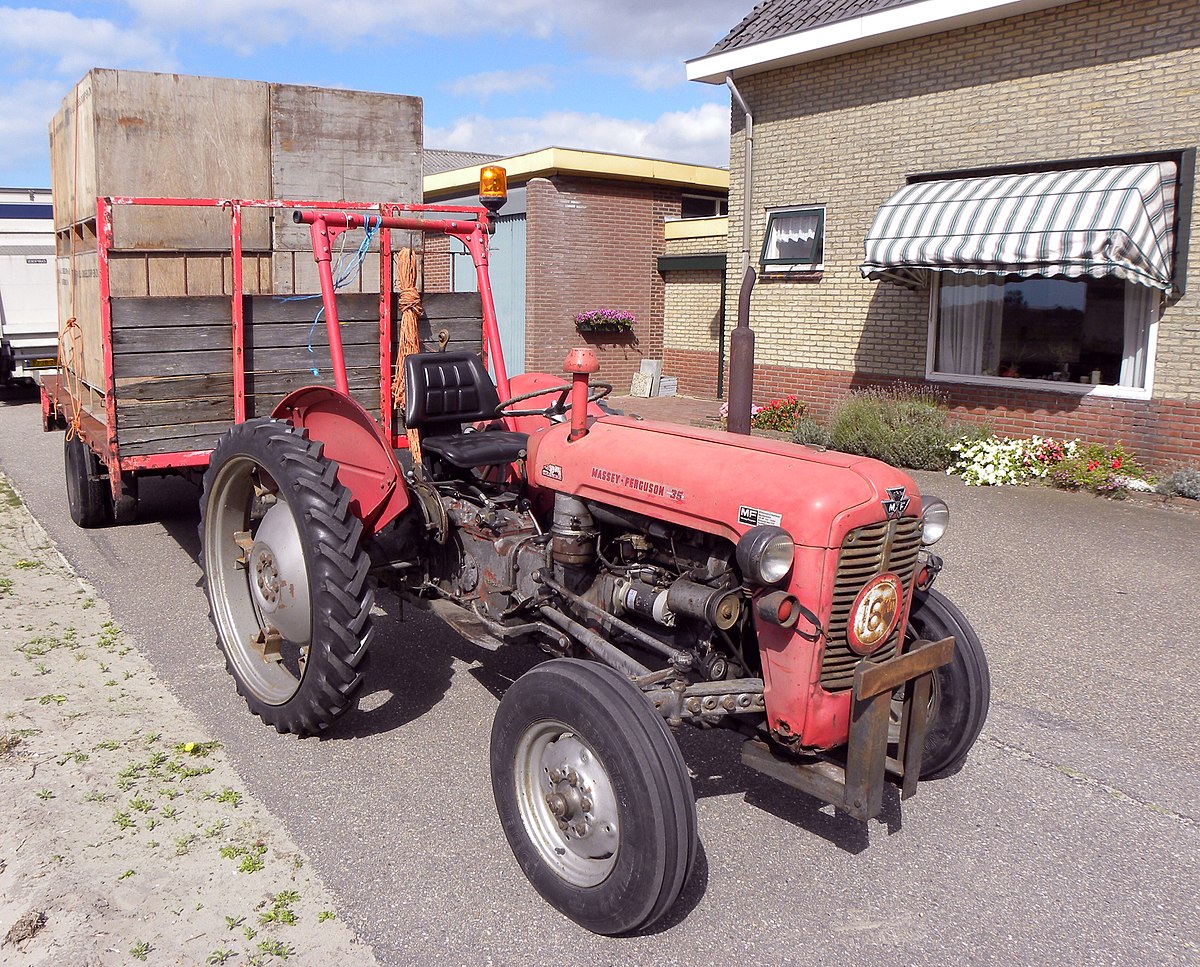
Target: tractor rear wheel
[88, 496]
[961, 690]
[286, 575]
[593, 795]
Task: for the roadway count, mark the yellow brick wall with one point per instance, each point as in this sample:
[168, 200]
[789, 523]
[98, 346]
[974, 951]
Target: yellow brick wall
[692, 310]
[1096, 78]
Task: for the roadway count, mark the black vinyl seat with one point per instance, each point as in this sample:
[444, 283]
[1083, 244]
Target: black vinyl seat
[444, 391]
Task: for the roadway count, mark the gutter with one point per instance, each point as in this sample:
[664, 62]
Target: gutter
[748, 170]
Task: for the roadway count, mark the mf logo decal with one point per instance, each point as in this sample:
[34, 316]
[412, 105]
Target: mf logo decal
[553, 471]
[896, 504]
[755, 516]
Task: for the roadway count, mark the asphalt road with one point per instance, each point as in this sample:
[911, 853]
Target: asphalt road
[1072, 836]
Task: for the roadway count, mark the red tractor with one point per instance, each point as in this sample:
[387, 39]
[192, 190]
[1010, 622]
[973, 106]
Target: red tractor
[673, 575]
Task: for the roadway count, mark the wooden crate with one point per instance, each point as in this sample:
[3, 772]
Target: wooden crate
[129, 133]
[172, 135]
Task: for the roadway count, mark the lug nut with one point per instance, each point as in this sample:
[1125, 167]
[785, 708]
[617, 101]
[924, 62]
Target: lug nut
[585, 805]
[556, 775]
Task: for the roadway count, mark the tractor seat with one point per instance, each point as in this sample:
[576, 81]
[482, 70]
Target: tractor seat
[445, 390]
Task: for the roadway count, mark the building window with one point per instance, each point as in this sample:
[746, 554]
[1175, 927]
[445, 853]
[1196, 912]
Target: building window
[1082, 331]
[703, 206]
[794, 240]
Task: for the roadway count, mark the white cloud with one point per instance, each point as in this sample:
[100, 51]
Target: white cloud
[35, 39]
[698, 136]
[626, 31]
[25, 112]
[487, 83]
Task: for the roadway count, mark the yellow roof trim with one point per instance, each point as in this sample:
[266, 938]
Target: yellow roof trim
[717, 225]
[569, 161]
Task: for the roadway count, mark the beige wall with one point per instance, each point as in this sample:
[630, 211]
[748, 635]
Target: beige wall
[1097, 78]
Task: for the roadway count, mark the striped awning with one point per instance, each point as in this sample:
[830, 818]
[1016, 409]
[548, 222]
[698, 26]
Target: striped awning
[1116, 220]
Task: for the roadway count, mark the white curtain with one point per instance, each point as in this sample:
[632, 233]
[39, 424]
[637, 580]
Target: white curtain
[1141, 303]
[969, 315]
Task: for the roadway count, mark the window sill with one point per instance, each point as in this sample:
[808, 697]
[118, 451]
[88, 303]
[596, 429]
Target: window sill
[1045, 386]
[805, 274]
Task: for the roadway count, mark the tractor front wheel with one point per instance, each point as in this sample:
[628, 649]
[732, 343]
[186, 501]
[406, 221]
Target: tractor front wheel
[286, 575]
[961, 689]
[593, 795]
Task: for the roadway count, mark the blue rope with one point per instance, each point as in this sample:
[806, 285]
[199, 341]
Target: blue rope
[343, 274]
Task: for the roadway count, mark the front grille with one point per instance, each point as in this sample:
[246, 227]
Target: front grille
[890, 545]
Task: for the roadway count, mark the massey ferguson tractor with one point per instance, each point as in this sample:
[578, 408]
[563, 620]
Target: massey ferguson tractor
[674, 576]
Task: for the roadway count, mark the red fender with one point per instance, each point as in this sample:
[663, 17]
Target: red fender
[367, 466]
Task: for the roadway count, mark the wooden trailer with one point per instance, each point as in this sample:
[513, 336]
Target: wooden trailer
[149, 382]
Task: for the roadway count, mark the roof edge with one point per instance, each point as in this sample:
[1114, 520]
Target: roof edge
[919, 19]
[553, 161]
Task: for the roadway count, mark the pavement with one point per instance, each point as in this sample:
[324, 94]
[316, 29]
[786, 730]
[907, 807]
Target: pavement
[1071, 836]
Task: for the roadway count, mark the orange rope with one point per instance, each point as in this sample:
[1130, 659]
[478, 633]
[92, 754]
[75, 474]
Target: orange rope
[410, 338]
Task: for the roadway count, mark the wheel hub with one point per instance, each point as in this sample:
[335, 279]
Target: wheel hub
[579, 796]
[278, 577]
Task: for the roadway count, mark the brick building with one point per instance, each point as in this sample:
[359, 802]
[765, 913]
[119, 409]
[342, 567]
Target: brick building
[581, 230]
[993, 196]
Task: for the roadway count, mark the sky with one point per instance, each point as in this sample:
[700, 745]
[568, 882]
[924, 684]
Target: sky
[501, 76]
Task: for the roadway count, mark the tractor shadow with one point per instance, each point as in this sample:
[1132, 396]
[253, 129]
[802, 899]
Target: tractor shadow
[714, 757]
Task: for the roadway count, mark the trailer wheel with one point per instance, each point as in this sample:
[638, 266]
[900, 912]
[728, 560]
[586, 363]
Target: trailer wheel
[961, 690]
[593, 795]
[286, 575]
[88, 496]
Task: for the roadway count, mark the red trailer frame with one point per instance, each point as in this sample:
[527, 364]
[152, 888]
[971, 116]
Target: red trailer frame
[327, 220]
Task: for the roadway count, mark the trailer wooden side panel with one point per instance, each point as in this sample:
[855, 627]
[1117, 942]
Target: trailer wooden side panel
[173, 358]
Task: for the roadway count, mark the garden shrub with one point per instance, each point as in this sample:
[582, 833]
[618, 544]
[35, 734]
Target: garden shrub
[1108, 471]
[810, 433]
[780, 415]
[903, 425]
[1181, 483]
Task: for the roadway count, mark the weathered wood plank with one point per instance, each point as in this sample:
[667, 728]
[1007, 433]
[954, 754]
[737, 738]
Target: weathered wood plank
[174, 364]
[352, 307]
[148, 388]
[133, 435]
[131, 413]
[170, 339]
[207, 310]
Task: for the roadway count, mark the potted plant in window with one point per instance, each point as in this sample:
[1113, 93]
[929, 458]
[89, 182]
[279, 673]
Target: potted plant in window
[616, 321]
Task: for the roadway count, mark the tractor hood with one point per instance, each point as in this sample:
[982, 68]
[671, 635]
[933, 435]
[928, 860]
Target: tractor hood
[718, 482]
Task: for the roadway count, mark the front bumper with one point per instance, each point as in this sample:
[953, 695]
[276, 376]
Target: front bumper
[855, 785]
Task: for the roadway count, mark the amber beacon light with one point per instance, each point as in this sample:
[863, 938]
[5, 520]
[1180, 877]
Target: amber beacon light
[493, 188]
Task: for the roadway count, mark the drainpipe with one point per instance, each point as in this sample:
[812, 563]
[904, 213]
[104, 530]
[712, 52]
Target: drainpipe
[741, 342]
[747, 171]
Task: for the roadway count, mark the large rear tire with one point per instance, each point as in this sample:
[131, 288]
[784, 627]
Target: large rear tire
[961, 690]
[286, 575]
[89, 498]
[593, 795]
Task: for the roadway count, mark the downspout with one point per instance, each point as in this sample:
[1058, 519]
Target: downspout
[747, 171]
[741, 341]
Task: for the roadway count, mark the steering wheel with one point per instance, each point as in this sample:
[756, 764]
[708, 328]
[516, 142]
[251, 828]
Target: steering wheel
[596, 391]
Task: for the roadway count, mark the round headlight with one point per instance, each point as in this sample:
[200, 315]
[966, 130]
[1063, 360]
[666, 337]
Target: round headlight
[765, 554]
[935, 517]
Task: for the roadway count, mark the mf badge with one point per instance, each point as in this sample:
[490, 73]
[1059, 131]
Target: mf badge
[896, 504]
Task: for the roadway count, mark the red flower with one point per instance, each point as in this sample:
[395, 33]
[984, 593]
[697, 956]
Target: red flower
[1093, 464]
[1116, 464]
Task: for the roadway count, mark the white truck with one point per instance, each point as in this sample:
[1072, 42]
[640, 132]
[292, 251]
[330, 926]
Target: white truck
[28, 295]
